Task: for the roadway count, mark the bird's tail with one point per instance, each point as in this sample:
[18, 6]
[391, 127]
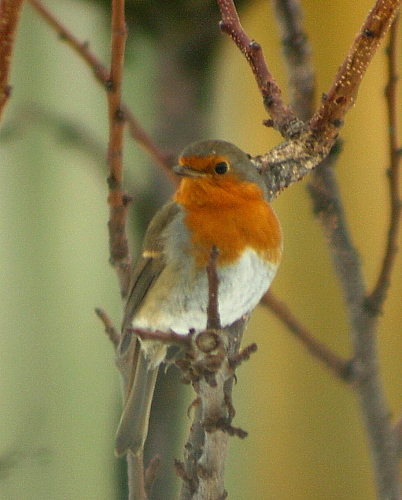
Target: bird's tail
[133, 427]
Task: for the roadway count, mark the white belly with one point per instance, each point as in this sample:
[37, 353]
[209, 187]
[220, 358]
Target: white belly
[180, 305]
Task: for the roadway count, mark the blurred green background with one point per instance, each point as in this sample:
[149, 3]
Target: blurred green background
[59, 389]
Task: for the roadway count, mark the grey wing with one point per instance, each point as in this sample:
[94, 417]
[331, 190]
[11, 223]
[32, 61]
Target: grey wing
[141, 378]
[151, 262]
[145, 274]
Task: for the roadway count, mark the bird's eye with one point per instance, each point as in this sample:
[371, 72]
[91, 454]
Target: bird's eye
[221, 167]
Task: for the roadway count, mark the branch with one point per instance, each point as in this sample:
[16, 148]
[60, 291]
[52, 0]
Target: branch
[9, 17]
[398, 437]
[110, 330]
[168, 338]
[211, 369]
[292, 160]
[377, 297]
[283, 118]
[213, 318]
[340, 367]
[119, 252]
[342, 94]
[368, 384]
[297, 53]
[120, 256]
[102, 75]
[308, 144]
[367, 380]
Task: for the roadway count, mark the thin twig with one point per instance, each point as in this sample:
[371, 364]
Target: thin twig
[340, 367]
[82, 48]
[377, 297]
[283, 118]
[9, 16]
[118, 244]
[243, 355]
[213, 318]
[211, 374]
[110, 330]
[168, 338]
[291, 161]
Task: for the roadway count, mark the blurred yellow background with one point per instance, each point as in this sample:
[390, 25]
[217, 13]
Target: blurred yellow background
[59, 389]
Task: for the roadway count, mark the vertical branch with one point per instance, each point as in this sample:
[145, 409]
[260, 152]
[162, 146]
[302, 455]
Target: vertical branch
[363, 326]
[297, 51]
[378, 295]
[216, 358]
[119, 253]
[213, 318]
[9, 17]
[363, 329]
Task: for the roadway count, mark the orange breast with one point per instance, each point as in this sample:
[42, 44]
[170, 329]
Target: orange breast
[232, 216]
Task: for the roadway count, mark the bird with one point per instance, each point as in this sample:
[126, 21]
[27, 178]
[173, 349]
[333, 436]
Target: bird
[221, 202]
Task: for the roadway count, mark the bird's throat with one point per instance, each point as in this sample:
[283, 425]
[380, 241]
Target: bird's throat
[230, 217]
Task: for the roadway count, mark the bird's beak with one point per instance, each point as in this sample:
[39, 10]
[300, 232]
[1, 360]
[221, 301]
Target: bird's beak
[186, 171]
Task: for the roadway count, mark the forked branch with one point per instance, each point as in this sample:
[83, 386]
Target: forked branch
[308, 144]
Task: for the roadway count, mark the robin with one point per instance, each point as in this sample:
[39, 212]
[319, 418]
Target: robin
[222, 202]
